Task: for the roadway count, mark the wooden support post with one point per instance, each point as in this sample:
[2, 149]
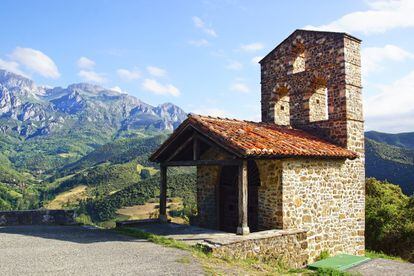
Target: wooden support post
[243, 228]
[163, 194]
[195, 148]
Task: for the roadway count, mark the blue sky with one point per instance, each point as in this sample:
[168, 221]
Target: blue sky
[201, 55]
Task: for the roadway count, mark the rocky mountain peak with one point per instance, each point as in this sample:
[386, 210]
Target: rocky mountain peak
[24, 103]
[86, 87]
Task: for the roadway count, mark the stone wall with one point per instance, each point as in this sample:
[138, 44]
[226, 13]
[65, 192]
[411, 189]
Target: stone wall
[286, 246]
[325, 197]
[207, 209]
[270, 195]
[208, 178]
[35, 217]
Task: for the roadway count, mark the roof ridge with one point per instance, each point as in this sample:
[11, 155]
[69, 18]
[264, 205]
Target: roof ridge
[193, 115]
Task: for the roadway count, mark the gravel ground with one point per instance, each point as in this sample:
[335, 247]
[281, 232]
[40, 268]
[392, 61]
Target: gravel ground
[75, 250]
[382, 267]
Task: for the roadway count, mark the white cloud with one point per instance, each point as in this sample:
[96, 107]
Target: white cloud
[199, 43]
[35, 61]
[156, 71]
[256, 59]
[128, 75]
[160, 89]
[240, 87]
[392, 105]
[85, 63]
[118, 89]
[234, 65]
[11, 66]
[208, 111]
[374, 57]
[92, 76]
[382, 16]
[252, 47]
[199, 23]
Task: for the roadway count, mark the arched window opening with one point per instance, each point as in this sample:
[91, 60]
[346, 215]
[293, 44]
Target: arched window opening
[282, 106]
[318, 102]
[299, 61]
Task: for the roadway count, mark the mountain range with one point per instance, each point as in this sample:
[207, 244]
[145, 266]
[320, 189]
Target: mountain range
[52, 139]
[44, 128]
[29, 110]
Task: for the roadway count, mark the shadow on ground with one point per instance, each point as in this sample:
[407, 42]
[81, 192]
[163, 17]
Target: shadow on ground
[77, 234]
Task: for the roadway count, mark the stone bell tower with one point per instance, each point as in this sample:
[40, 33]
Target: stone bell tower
[312, 81]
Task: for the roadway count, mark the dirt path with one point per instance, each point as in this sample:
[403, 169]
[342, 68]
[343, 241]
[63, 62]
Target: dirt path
[67, 250]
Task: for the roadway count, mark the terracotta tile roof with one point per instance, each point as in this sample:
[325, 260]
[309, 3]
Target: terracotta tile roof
[252, 139]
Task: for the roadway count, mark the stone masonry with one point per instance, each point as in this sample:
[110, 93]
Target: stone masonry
[326, 197]
[286, 246]
[270, 194]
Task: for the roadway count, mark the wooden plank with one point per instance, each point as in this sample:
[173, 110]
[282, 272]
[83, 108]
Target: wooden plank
[163, 194]
[234, 162]
[180, 148]
[243, 228]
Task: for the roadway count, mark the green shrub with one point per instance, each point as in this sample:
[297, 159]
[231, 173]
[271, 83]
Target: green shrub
[324, 255]
[389, 220]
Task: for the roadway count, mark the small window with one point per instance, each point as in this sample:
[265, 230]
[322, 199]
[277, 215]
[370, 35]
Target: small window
[282, 105]
[299, 62]
[318, 102]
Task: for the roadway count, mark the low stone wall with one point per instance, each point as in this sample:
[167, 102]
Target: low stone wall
[287, 246]
[32, 217]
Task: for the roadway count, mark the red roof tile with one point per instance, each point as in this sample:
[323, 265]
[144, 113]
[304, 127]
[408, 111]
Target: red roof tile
[252, 139]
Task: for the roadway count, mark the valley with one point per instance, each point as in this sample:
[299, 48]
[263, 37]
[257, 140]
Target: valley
[86, 147]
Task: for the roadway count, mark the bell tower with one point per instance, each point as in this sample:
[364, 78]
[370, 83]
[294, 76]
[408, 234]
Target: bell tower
[312, 81]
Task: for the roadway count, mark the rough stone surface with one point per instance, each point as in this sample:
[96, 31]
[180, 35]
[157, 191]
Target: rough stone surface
[288, 247]
[208, 178]
[30, 217]
[326, 198]
[270, 195]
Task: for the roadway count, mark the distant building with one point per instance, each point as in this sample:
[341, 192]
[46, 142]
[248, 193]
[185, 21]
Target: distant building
[302, 167]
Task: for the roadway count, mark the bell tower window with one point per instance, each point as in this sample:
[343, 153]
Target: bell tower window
[299, 61]
[318, 102]
[282, 106]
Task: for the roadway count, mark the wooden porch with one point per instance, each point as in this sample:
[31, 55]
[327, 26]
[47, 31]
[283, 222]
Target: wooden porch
[187, 149]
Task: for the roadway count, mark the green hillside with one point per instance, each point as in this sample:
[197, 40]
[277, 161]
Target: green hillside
[120, 151]
[404, 140]
[387, 162]
[104, 208]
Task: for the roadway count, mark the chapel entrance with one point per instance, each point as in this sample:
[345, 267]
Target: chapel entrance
[228, 197]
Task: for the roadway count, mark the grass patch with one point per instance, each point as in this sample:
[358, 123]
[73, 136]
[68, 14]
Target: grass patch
[68, 198]
[154, 238]
[324, 255]
[184, 260]
[377, 255]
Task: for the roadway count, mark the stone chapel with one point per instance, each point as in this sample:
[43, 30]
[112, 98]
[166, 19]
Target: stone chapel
[302, 166]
